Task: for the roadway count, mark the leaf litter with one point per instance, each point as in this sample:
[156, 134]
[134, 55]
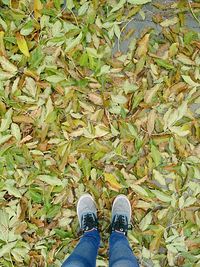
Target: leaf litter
[76, 118]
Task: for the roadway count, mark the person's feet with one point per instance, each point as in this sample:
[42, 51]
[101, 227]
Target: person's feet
[121, 214]
[87, 213]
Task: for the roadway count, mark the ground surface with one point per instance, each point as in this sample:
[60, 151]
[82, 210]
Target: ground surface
[99, 96]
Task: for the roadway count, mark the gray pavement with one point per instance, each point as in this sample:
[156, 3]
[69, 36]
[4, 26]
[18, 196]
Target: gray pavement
[138, 24]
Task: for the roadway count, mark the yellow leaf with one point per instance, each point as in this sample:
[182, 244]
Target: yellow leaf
[112, 182]
[21, 42]
[155, 243]
[37, 8]
[142, 46]
[2, 48]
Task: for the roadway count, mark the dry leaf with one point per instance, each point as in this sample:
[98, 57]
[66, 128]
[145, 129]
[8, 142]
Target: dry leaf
[149, 94]
[142, 46]
[37, 8]
[2, 48]
[7, 66]
[112, 182]
[95, 98]
[151, 121]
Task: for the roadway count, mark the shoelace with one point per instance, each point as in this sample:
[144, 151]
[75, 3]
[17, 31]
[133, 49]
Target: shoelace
[88, 221]
[120, 223]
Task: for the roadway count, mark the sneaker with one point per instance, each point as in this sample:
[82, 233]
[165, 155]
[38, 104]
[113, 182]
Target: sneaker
[121, 215]
[87, 213]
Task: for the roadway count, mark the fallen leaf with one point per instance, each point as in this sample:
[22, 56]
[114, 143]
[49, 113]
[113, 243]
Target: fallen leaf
[21, 42]
[37, 8]
[164, 63]
[7, 66]
[151, 121]
[169, 22]
[145, 222]
[95, 98]
[2, 47]
[112, 182]
[52, 180]
[138, 2]
[142, 46]
[189, 81]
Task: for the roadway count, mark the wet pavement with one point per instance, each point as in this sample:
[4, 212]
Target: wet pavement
[138, 24]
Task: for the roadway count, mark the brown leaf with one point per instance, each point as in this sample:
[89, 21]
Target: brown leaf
[149, 94]
[37, 222]
[21, 227]
[23, 118]
[37, 8]
[95, 98]
[151, 121]
[155, 243]
[24, 207]
[26, 139]
[142, 46]
[2, 48]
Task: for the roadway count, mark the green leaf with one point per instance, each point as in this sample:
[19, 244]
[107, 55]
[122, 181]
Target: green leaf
[189, 37]
[53, 211]
[57, 4]
[156, 155]
[140, 190]
[137, 99]
[27, 28]
[35, 196]
[189, 81]
[5, 138]
[69, 4]
[73, 42]
[162, 196]
[84, 60]
[164, 63]
[5, 123]
[36, 57]
[56, 78]
[63, 234]
[119, 5]
[138, 2]
[169, 22]
[5, 250]
[145, 222]
[159, 177]
[51, 180]
[86, 166]
[117, 31]
[82, 10]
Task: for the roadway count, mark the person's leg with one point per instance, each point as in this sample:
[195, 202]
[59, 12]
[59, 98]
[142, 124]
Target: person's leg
[85, 253]
[120, 252]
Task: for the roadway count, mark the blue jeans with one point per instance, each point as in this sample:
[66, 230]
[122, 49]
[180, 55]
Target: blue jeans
[85, 253]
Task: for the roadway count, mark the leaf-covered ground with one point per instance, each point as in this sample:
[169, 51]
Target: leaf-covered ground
[76, 117]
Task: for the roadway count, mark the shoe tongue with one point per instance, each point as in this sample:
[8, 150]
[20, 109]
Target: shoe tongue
[88, 221]
[120, 224]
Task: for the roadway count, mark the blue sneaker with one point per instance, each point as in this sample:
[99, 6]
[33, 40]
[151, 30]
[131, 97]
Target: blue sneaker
[121, 215]
[87, 213]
